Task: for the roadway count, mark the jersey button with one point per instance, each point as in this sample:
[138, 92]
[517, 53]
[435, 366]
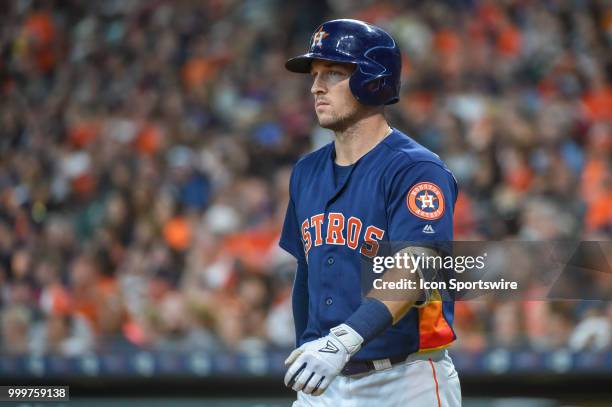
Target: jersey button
[329, 301]
[330, 261]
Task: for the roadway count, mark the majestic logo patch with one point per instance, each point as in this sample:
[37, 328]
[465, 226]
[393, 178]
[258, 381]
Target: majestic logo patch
[426, 201]
[318, 37]
[428, 229]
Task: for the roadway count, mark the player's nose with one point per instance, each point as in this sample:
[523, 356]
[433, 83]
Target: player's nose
[318, 86]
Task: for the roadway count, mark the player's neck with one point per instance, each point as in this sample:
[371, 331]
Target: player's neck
[357, 140]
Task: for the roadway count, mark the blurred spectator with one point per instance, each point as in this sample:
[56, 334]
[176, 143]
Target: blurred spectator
[16, 323]
[63, 335]
[178, 329]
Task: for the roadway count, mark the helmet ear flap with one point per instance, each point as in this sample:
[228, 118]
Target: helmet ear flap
[369, 91]
[375, 85]
[359, 85]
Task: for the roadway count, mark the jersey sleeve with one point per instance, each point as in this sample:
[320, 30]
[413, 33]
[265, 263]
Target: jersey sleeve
[421, 200]
[291, 236]
[300, 301]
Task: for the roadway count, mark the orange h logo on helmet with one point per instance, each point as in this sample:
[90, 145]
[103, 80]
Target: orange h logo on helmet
[317, 38]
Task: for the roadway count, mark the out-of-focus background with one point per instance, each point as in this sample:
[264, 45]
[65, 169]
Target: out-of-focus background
[145, 150]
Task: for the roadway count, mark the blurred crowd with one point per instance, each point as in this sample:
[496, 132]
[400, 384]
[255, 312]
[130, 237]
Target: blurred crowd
[145, 150]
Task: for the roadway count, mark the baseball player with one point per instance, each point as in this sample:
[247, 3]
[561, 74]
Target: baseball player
[371, 187]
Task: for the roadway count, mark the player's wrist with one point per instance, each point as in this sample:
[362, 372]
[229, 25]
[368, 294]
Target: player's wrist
[348, 337]
[370, 319]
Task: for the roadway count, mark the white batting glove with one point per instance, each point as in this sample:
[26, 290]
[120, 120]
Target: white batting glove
[314, 365]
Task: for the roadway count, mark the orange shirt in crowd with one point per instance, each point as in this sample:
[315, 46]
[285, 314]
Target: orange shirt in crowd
[40, 33]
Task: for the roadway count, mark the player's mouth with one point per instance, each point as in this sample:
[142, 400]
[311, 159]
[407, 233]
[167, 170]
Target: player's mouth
[320, 103]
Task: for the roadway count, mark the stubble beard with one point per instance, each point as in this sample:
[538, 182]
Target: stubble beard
[339, 123]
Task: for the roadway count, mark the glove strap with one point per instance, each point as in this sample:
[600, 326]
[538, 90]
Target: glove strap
[348, 337]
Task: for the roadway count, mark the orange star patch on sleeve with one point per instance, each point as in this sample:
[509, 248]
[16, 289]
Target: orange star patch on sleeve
[426, 201]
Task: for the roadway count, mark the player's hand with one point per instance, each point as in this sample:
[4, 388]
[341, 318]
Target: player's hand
[314, 365]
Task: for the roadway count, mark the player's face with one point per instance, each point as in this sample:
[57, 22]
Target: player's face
[335, 105]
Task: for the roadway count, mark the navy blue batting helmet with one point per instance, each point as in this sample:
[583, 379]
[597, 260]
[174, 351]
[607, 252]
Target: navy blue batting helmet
[376, 78]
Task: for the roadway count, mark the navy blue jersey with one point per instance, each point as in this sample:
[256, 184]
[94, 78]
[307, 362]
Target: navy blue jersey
[399, 191]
